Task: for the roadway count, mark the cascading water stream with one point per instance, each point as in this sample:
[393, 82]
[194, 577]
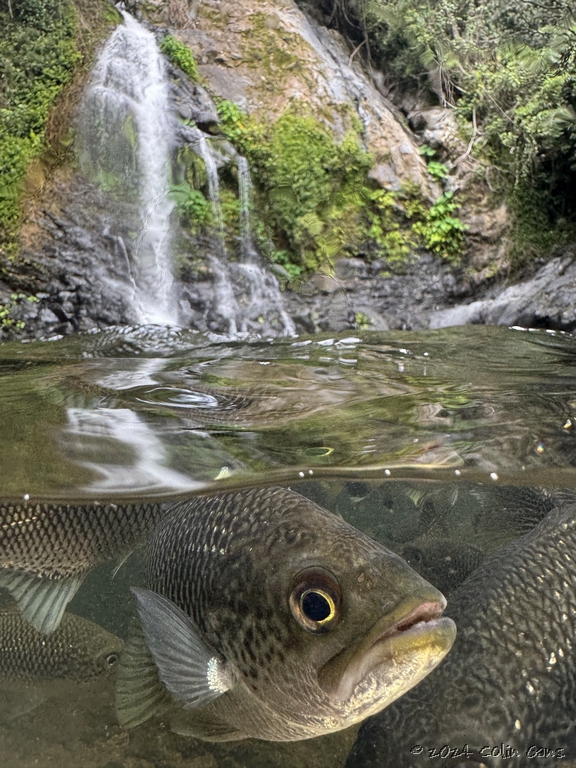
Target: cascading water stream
[202, 148]
[247, 295]
[245, 193]
[126, 135]
[262, 292]
[227, 305]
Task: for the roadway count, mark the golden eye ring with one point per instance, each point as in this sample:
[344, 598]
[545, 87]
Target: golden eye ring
[315, 600]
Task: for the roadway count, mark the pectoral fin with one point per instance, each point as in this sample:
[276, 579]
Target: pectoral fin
[189, 668]
[41, 600]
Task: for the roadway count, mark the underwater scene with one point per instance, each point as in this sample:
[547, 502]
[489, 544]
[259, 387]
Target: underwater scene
[343, 550]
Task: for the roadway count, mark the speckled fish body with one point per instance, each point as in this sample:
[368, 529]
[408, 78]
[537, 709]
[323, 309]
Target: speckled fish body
[510, 679]
[267, 616]
[444, 563]
[79, 649]
[47, 549]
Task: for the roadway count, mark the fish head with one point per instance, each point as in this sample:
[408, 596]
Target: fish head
[331, 626]
[92, 650]
[85, 649]
[106, 661]
[300, 623]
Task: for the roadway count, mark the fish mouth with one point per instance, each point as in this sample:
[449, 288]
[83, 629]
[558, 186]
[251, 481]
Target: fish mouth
[398, 651]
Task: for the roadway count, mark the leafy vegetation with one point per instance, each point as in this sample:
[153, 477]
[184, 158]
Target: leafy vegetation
[509, 71]
[443, 232]
[315, 199]
[439, 171]
[42, 46]
[38, 56]
[192, 206]
[6, 309]
[180, 56]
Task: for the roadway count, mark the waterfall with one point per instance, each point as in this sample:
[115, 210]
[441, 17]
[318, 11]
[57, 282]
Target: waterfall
[126, 134]
[261, 294]
[224, 299]
[245, 193]
[202, 148]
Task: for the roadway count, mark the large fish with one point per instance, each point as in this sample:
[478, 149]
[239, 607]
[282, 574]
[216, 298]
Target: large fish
[267, 616]
[505, 696]
[78, 649]
[47, 549]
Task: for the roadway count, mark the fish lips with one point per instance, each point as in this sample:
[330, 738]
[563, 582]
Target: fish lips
[399, 650]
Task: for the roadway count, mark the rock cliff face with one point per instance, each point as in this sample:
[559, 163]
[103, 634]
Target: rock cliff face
[79, 239]
[264, 55]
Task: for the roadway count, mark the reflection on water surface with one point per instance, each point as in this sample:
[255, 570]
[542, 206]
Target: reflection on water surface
[443, 447]
[173, 408]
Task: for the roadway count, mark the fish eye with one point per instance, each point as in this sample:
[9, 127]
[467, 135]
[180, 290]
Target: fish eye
[315, 600]
[317, 606]
[111, 659]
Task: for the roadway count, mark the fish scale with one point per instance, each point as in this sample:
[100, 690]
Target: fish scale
[511, 675]
[62, 539]
[47, 549]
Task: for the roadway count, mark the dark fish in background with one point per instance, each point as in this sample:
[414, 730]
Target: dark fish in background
[490, 515]
[267, 616]
[445, 564]
[511, 676]
[465, 523]
[78, 649]
[47, 549]
[444, 531]
[509, 511]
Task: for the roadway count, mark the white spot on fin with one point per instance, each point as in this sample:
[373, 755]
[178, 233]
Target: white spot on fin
[189, 668]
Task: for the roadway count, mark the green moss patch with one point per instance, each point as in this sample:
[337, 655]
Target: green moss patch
[42, 46]
[315, 202]
[181, 56]
[313, 195]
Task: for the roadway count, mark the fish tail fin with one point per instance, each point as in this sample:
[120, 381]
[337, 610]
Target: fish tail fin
[140, 693]
[42, 601]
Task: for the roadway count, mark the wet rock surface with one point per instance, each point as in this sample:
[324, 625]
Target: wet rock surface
[429, 294]
[78, 260]
[546, 300]
[78, 266]
[369, 296]
[73, 262]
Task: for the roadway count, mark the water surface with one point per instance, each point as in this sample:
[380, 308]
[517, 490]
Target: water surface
[163, 411]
